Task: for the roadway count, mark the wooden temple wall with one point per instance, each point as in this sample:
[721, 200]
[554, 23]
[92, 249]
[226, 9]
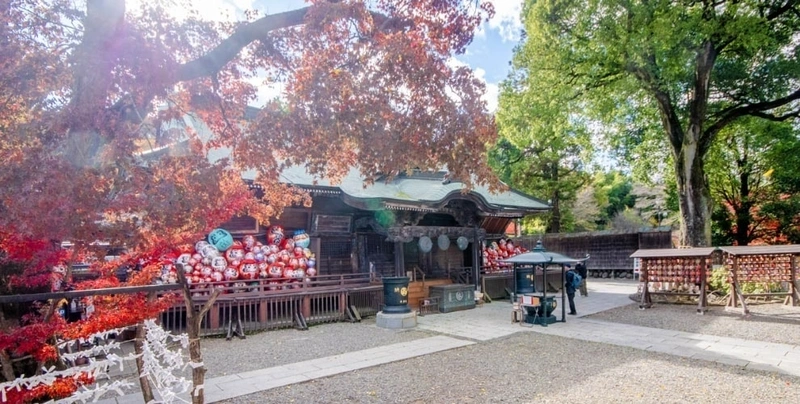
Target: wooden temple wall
[609, 250]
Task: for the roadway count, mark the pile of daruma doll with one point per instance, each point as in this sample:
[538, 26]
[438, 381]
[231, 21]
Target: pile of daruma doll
[497, 251]
[284, 262]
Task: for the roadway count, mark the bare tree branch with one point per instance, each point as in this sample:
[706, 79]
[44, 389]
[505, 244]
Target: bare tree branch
[225, 51]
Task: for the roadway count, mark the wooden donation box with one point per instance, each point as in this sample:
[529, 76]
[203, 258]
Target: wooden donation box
[454, 297]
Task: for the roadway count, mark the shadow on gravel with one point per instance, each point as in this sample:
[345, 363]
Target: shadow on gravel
[767, 322]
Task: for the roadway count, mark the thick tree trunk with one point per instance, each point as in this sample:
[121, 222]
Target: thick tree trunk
[196, 355]
[554, 226]
[144, 382]
[744, 217]
[193, 319]
[8, 366]
[694, 195]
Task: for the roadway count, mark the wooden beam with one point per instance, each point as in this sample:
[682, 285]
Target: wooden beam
[89, 292]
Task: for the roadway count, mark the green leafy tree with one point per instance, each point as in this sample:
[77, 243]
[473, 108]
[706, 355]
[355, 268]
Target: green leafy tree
[549, 154]
[784, 209]
[613, 191]
[686, 69]
[546, 167]
[739, 170]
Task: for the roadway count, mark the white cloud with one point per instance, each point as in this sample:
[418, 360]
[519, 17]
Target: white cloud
[507, 19]
[492, 90]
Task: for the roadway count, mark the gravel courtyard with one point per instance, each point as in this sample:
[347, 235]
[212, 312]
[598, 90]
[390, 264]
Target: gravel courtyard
[525, 367]
[530, 367]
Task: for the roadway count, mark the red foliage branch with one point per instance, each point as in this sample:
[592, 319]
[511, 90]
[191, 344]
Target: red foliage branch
[62, 387]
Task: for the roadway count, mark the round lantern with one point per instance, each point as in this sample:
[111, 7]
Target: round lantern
[462, 243]
[425, 244]
[443, 242]
[221, 239]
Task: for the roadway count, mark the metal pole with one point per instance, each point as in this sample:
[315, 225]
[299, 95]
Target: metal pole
[563, 292]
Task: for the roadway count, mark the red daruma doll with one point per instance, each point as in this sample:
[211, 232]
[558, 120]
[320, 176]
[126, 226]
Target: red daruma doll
[275, 235]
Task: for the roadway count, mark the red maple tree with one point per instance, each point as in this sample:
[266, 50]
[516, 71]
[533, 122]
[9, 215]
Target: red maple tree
[86, 89]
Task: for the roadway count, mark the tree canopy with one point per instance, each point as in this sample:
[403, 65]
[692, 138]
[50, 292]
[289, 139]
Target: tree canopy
[89, 90]
[86, 88]
[686, 70]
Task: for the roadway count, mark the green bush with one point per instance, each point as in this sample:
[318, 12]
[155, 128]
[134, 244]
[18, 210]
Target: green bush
[719, 283]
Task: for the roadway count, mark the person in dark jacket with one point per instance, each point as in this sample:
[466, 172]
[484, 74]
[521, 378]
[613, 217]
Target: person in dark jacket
[580, 268]
[568, 277]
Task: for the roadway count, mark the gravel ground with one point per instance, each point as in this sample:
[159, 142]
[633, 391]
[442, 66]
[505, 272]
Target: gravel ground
[768, 322]
[282, 347]
[524, 367]
[530, 367]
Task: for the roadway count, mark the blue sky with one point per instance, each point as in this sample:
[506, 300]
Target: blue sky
[488, 55]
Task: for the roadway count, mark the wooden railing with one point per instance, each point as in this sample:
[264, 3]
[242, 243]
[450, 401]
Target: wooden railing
[462, 275]
[261, 305]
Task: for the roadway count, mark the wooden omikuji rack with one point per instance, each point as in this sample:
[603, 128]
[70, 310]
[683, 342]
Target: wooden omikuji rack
[689, 268]
[762, 264]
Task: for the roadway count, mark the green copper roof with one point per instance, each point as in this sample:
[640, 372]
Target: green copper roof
[423, 191]
[428, 190]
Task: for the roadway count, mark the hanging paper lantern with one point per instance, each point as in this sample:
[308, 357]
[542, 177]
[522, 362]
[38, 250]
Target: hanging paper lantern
[301, 239]
[462, 243]
[221, 239]
[443, 242]
[425, 244]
